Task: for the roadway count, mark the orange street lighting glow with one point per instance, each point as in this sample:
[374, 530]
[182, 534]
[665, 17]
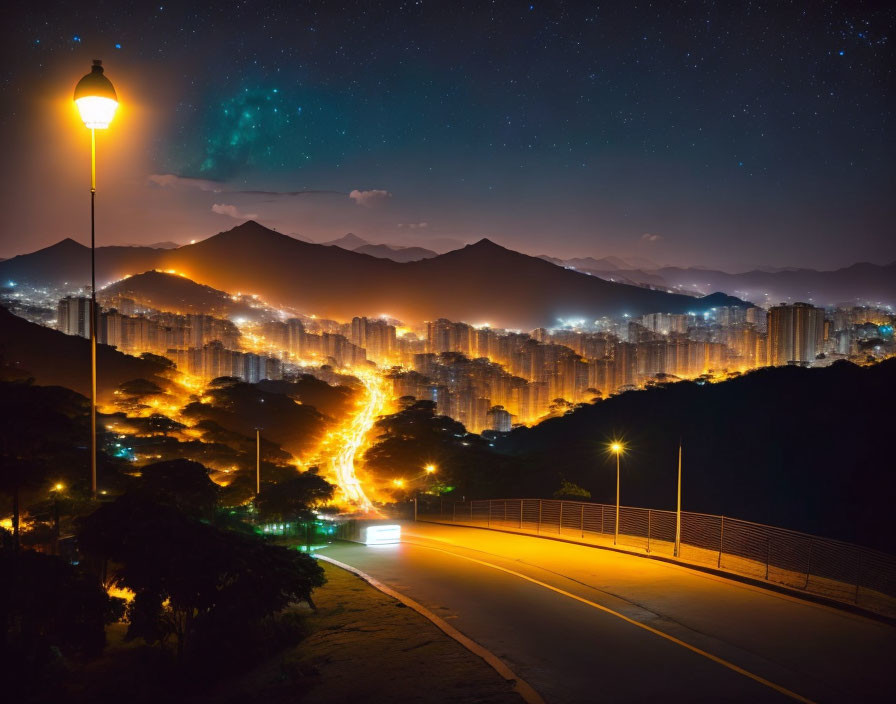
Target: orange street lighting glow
[617, 447]
[430, 468]
[59, 487]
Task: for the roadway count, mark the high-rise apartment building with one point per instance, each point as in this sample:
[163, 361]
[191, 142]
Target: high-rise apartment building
[795, 333]
[73, 316]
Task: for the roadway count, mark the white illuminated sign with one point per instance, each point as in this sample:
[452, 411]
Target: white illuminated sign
[381, 535]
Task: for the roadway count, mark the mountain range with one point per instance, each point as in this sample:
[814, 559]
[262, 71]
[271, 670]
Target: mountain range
[354, 243]
[861, 282]
[479, 283]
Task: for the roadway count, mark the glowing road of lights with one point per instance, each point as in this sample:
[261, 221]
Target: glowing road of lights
[351, 438]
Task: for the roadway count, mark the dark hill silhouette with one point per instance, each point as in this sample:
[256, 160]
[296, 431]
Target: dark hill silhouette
[67, 264]
[480, 282]
[348, 241]
[55, 359]
[799, 448]
[396, 254]
[862, 281]
[171, 292]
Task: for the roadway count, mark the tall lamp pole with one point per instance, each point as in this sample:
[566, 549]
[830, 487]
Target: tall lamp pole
[616, 448]
[258, 461]
[97, 101]
[678, 508]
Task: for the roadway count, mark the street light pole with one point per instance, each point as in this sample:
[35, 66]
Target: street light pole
[93, 320]
[97, 102]
[616, 534]
[678, 508]
[617, 448]
[257, 461]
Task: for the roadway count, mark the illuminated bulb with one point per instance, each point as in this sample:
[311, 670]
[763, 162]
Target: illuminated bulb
[616, 447]
[59, 487]
[430, 468]
[96, 98]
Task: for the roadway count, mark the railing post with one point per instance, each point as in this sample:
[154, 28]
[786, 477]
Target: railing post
[768, 550]
[721, 538]
[505, 510]
[809, 564]
[648, 530]
[521, 513]
[454, 511]
[582, 519]
[858, 578]
[471, 510]
[560, 522]
[538, 527]
[488, 520]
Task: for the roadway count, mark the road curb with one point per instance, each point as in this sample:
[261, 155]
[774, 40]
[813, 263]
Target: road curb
[520, 686]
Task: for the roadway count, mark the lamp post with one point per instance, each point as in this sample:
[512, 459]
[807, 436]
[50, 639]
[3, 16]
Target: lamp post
[96, 100]
[258, 460]
[616, 448]
[56, 489]
[430, 470]
[678, 508]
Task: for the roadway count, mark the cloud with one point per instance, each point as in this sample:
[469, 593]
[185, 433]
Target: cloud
[414, 225]
[175, 181]
[232, 211]
[647, 237]
[369, 198]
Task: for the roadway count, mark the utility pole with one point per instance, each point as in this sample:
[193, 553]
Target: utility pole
[678, 507]
[257, 461]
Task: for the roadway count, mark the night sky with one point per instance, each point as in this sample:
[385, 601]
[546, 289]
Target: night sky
[700, 133]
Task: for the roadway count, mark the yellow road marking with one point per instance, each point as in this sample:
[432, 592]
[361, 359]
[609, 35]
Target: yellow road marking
[661, 634]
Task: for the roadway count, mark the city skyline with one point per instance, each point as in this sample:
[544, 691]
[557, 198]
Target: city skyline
[689, 138]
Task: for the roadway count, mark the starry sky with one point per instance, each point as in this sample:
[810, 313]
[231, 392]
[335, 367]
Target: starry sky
[720, 134]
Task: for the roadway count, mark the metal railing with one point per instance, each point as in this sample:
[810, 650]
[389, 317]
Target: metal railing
[831, 568]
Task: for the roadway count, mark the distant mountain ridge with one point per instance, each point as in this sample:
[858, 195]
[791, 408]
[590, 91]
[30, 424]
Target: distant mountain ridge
[175, 293]
[482, 282]
[55, 359]
[396, 254]
[858, 282]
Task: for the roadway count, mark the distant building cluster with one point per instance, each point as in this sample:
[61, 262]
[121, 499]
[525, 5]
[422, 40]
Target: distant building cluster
[491, 379]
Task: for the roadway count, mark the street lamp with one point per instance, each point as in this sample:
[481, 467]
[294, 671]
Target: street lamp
[56, 489]
[96, 101]
[258, 460]
[617, 448]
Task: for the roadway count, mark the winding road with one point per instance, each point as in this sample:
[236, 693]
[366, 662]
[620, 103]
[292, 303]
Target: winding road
[582, 624]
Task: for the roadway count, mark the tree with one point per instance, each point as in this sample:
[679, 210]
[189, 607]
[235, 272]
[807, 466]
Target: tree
[48, 608]
[164, 362]
[571, 491]
[183, 484]
[292, 499]
[190, 579]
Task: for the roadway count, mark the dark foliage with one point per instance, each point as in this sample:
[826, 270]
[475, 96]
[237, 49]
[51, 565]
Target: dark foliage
[182, 484]
[291, 499]
[50, 612]
[805, 449]
[192, 579]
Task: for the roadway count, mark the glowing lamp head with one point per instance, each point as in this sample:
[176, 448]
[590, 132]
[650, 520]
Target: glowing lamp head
[430, 469]
[96, 99]
[59, 487]
[616, 447]
[398, 482]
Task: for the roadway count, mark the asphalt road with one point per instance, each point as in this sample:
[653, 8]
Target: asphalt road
[582, 624]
